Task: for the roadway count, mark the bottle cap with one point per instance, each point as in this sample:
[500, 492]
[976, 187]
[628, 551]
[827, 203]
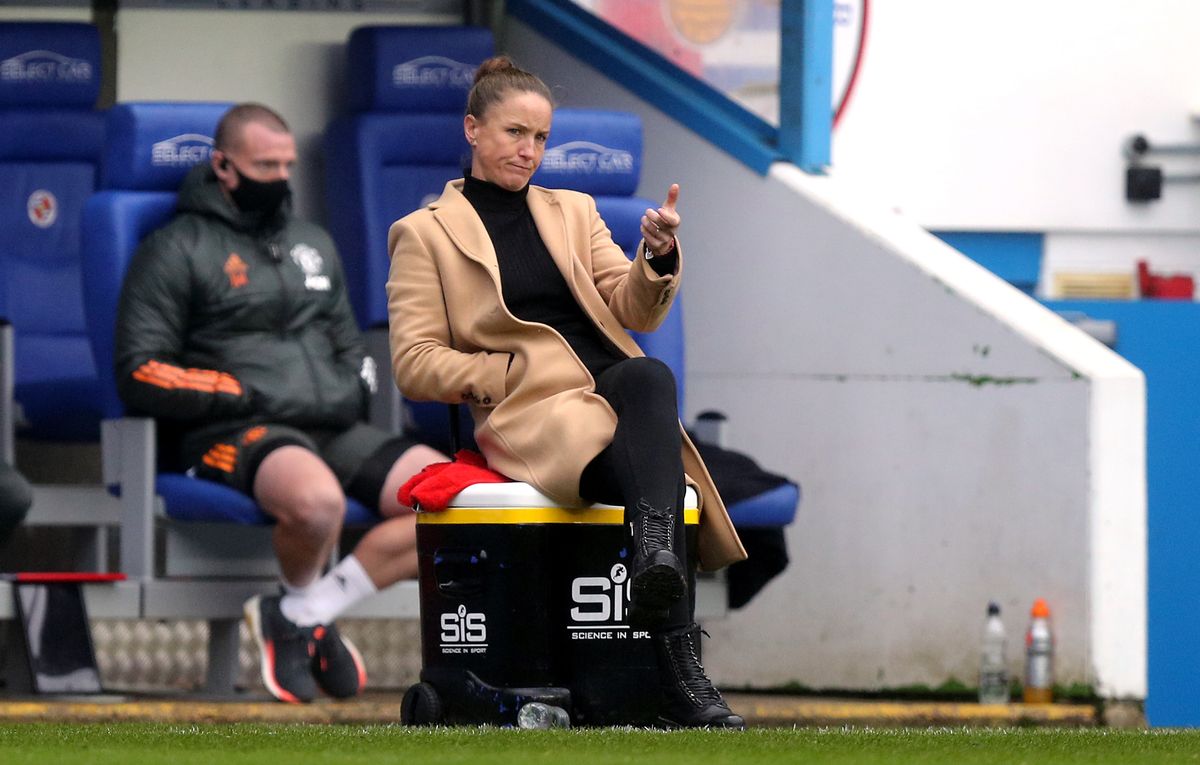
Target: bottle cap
[993, 608]
[1040, 609]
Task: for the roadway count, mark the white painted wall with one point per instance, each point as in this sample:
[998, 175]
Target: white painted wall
[293, 61]
[16, 12]
[838, 336]
[1012, 116]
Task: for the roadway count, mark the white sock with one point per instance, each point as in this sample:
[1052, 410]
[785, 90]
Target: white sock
[322, 601]
[291, 589]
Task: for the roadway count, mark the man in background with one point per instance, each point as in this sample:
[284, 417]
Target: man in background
[234, 329]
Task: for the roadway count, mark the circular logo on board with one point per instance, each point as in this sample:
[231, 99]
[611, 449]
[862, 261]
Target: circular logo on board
[42, 208]
[701, 21]
[618, 574]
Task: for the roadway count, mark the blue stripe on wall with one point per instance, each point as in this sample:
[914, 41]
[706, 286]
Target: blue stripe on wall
[1014, 257]
[1158, 336]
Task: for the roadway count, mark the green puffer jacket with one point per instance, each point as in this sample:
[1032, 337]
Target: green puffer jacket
[225, 319]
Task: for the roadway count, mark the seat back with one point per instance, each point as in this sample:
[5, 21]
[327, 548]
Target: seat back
[600, 153]
[50, 143]
[399, 145]
[150, 148]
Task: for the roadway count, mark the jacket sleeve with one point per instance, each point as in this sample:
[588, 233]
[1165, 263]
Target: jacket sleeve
[424, 362]
[637, 296]
[347, 340]
[151, 322]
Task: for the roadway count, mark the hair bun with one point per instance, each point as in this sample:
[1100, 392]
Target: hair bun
[496, 78]
[494, 64]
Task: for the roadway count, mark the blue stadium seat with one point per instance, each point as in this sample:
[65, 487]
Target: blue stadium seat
[600, 153]
[394, 152]
[50, 143]
[401, 143]
[150, 148]
[771, 509]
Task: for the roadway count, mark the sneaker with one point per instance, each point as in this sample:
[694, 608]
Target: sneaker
[285, 650]
[337, 666]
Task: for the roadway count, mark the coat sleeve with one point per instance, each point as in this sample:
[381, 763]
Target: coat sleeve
[151, 324]
[637, 296]
[424, 362]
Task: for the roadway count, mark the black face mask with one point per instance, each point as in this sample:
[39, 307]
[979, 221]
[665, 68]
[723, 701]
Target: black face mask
[263, 197]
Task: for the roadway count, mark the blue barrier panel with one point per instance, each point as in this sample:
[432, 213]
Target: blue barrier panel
[1160, 337]
[1013, 256]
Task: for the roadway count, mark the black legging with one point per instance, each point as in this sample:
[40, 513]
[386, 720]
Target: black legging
[644, 460]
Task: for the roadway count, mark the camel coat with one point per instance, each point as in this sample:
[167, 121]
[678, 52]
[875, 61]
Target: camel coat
[537, 417]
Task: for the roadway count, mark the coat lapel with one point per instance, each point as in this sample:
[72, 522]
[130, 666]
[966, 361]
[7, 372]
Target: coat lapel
[552, 227]
[464, 227]
[458, 217]
[551, 223]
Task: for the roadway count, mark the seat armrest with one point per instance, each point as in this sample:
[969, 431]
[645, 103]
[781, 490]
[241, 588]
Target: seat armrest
[127, 452]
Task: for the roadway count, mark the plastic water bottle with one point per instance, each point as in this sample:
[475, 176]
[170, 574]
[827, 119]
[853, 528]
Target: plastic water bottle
[1039, 656]
[535, 715]
[993, 667]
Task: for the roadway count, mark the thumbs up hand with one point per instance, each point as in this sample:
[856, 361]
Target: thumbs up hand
[659, 226]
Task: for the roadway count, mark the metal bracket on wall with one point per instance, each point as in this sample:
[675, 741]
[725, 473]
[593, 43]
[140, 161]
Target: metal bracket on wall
[1143, 183]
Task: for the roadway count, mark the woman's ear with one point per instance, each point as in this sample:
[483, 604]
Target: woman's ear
[469, 126]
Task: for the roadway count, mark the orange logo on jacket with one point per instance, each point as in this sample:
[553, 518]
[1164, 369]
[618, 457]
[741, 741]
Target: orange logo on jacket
[235, 269]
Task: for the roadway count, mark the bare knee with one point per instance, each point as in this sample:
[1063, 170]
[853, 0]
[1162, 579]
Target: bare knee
[298, 489]
[312, 510]
[409, 464]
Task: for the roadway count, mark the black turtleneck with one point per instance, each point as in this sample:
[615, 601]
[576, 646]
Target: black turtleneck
[533, 288]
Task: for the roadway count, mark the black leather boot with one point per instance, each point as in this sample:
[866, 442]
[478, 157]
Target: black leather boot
[656, 573]
[689, 698]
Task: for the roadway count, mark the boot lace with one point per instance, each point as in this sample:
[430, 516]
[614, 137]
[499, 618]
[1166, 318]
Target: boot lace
[689, 670]
[658, 527]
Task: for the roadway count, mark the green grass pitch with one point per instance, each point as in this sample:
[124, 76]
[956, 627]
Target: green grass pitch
[141, 744]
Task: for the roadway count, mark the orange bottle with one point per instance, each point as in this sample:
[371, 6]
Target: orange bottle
[1039, 656]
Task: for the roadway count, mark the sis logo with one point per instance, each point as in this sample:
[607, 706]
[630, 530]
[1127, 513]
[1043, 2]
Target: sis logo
[599, 598]
[600, 608]
[463, 631]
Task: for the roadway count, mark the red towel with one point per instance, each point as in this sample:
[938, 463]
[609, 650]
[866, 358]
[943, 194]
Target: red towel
[433, 488]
